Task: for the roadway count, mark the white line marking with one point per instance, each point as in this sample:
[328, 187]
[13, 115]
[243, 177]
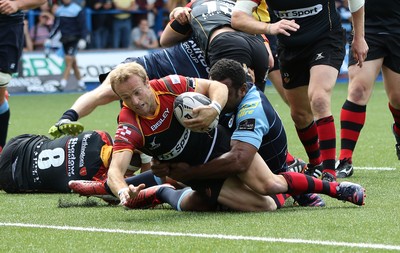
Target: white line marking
[210, 236]
[374, 168]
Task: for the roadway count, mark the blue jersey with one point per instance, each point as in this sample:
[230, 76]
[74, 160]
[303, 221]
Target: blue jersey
[70, 21]
[185, 59]
[256, 122]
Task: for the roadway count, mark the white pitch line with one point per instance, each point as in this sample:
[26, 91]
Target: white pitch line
[374, 168]
[210, 236]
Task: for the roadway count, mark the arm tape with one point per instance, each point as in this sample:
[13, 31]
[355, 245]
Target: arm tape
[355, 5]
[181, 29]
[145, 158]
[4, 79]
[245, 6]
[122, 190]
[216, 106]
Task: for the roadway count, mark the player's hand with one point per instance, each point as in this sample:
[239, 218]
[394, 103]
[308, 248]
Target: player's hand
[204, 116]
[47, 43]
[182, 15]
[66, 127]
[130, 192]
[8, 7]
[284, 26]
[359, 48]
[180, 171]
[81, 44]
[160, 169]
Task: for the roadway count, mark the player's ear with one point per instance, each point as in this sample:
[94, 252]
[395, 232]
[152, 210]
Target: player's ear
[243, 89]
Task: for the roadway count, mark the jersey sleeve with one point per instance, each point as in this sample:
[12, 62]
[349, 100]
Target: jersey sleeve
[174, 84]
[251, 123]
[128, 135]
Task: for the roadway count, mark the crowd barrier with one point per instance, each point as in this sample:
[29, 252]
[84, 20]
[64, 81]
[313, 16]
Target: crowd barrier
[158, 22]
[41, 74]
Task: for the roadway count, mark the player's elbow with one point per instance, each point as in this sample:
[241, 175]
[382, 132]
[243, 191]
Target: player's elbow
[240, 162]
[237, 20]
[165, 41]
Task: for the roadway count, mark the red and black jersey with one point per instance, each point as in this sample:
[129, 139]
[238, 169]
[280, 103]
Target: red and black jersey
[161, 135]
[315, 17]
[34, 163]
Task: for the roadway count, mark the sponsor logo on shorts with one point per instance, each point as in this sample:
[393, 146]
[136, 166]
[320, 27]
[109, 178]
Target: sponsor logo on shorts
[319, 56]
[286, 77]
[83, 172]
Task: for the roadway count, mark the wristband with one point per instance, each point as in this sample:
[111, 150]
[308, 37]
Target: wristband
[181, 29]
[269, 29]
[122, 190]
[216, 106]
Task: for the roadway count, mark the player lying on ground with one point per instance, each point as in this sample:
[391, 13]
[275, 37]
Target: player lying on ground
[186, 58]
[34, 163]
[149, 104]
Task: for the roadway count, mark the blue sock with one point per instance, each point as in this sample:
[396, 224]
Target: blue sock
[146, 178]
[172, 196]
[4, 107]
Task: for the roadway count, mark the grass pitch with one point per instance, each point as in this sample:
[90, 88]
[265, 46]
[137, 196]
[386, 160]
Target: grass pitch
[43, 223]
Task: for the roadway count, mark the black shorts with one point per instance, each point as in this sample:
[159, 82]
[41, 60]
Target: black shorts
[296, 62]
[7, 163]
[273, 44]
[11, 46]
[386, 46]
[211, 188]
[244, 48]
[70, 45]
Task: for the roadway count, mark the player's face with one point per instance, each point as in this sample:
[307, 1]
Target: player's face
[138, 96]
[234, 96]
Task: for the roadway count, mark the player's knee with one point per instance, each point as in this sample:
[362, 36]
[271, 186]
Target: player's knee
[4, 79]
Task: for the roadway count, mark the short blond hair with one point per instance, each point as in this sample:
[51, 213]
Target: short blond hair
[124, 71]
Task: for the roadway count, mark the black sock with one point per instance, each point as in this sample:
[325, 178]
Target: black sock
[4, 119]
[71, 114]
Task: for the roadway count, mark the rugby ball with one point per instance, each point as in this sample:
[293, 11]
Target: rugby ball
[186, 102]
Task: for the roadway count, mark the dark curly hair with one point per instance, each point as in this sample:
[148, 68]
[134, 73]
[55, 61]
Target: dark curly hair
[226, 68]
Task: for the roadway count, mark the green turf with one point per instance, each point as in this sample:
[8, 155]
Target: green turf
[377, 223]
